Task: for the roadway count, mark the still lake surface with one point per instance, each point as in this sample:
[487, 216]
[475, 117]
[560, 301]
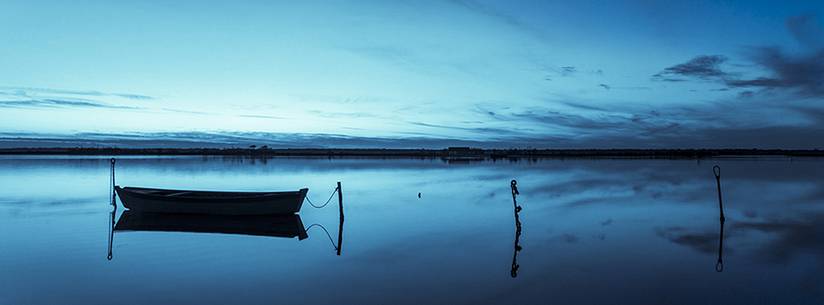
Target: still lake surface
[593, 231]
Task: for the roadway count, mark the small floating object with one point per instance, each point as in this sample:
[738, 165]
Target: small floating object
[151, 200]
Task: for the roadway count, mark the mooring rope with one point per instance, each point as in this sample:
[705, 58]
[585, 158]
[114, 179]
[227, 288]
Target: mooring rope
[325, 203]
[324, 230]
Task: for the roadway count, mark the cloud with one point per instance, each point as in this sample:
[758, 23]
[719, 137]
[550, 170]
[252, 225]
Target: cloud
[563, 71]
[567, 71]
[482, 130]
[600, 124]
[807, 30]
[720, 124]
[260, 116]
[711, 125]
[704, 242]
[494, 14]
[702, 67]
[57, 103]
[804, 74]
[28, 97]
[332, 114]
[793, 237]
[226, 139]
[134, 96]
[583, 106]
[798, 74]
[30, 91]
[186, 111]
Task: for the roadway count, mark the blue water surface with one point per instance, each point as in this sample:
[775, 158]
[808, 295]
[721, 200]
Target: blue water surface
[592, 231]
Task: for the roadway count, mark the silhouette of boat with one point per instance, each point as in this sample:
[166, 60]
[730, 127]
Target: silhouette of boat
[151, 200]
[288, 226]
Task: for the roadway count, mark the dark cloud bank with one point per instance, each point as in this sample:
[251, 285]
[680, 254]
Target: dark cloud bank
[801, 73]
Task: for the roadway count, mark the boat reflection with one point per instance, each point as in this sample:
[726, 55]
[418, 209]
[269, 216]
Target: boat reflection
[280, 226]
[288, 226]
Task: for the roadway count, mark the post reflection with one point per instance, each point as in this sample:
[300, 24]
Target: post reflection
[719, 266]
[111, 230]
[340, 234]
[514, 271]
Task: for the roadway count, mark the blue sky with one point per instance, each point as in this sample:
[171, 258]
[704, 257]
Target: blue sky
[550, 74]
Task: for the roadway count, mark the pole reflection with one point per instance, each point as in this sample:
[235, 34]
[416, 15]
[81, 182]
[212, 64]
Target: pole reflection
[514, 270]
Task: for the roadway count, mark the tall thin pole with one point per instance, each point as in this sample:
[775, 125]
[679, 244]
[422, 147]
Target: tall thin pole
[112, 213]
[340, 201]
[340, 211]
[113, 203]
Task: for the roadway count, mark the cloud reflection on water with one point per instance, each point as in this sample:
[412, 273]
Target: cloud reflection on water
[588, 224]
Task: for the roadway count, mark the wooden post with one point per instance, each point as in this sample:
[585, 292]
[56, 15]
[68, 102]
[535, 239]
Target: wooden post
[340, 225]
[340, 201]
[113, 203]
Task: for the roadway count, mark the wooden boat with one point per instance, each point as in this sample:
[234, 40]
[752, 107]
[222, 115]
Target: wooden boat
[288, 226]
[149, 200]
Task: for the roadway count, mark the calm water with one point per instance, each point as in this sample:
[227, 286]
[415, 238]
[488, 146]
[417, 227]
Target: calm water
[592, 232]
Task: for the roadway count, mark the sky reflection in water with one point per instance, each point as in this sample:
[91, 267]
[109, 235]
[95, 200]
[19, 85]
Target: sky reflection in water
[593, 232]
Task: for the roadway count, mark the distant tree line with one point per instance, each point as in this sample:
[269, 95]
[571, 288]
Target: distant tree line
[452, 152]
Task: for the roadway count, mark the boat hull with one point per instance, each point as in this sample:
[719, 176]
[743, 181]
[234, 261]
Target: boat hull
[148, 200]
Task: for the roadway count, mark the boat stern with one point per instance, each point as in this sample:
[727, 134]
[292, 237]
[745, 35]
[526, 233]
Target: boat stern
[302, 195]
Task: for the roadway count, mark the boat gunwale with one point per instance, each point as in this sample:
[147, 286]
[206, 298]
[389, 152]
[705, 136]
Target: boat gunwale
[217, 195]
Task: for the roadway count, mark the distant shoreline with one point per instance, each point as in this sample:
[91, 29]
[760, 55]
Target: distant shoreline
[459, 153]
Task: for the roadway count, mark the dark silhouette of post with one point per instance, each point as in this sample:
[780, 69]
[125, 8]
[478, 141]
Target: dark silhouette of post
[113, 203]
[340, 211]
[111, 231]
[719, 266]
[514, 270]
[514, 186]
[717, 171]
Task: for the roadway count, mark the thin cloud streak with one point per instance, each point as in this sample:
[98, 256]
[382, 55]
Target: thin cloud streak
[28, 91]
[57, 103]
